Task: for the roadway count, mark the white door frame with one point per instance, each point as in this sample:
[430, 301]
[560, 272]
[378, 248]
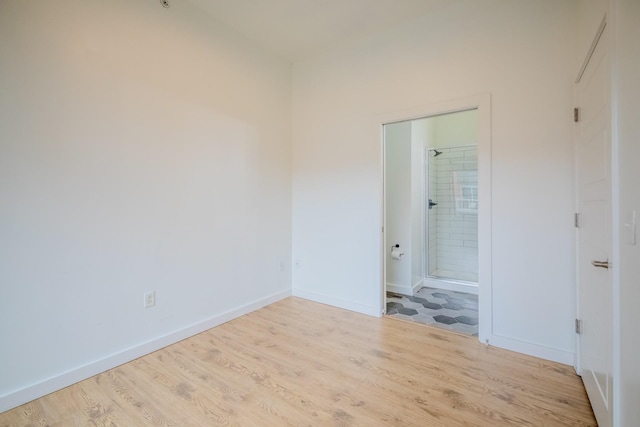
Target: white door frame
[483, 105]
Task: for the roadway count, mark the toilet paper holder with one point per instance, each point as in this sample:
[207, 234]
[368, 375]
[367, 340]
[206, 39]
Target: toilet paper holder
[395, 252]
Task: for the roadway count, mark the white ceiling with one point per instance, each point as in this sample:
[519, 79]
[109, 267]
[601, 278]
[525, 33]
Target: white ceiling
[296, 29]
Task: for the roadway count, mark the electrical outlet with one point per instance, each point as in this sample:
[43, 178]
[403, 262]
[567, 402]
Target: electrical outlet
[281, 266]
[149, 299]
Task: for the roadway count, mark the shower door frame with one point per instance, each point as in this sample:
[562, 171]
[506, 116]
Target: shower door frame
[481, 103]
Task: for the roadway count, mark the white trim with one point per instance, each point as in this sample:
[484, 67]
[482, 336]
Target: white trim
[617, 410]
[27, 394]
[403, 290]
[382, 245]
[485, 235]
[450, 285]
[482, 103]
[547, 353]
[337, 302]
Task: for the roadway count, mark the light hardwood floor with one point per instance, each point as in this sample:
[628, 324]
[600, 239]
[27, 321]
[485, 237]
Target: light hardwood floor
[301, 363]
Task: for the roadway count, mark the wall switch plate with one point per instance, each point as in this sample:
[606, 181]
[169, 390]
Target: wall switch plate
[282, 267]
[630, 224]
[149, 299]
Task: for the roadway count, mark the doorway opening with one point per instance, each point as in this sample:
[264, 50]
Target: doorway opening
[436, 217]
[432, 216]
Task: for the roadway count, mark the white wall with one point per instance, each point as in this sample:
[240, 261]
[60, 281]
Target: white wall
[627, 140]
[398, 147]
[451, 130]
[141, 148]
[404, 189]
[523, 54]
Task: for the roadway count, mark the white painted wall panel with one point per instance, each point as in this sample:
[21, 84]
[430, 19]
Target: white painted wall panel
[398, 147]
[141, 148]
[520, 52]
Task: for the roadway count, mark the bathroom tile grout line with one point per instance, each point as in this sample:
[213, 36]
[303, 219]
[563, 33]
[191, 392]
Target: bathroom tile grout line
[450, 310]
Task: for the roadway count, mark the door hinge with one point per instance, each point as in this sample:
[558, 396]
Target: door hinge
[578, 326]
[577, 220]
[576, 115]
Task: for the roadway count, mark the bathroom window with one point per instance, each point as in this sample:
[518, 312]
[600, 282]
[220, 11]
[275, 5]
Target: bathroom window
[468, 203]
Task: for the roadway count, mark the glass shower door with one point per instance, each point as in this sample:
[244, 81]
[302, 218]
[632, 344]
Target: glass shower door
[452, 213]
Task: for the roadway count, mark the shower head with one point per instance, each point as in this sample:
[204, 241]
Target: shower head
[437, 153]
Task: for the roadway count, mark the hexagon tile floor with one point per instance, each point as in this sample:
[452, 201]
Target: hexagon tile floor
[454, 311]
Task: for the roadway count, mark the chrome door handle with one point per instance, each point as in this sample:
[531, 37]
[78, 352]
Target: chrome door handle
[600, 264]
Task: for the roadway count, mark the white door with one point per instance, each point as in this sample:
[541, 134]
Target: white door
[594, 233]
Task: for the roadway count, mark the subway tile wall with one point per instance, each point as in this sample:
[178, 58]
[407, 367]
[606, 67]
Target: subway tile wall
[453, 223]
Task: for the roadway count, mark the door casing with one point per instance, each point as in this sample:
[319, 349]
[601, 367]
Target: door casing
[483, 104]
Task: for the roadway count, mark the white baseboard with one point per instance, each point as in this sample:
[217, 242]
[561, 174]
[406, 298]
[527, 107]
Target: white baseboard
[27, 394]
[404, 290]
[547, 353]
[336, 302]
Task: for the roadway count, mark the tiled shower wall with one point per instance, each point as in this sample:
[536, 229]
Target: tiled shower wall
[453, 223]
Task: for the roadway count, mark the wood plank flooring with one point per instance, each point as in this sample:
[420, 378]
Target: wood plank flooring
[299, 363]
